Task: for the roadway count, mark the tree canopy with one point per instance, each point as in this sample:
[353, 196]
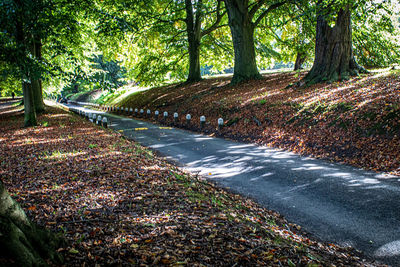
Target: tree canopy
[103, 44]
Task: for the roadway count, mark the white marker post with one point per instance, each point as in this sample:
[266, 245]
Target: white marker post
[105, 122]
[98, 120]
[202, 121]
[136, 111]
[165, 115]
[176, 117]
[141, 112]
[148, 113]
[188, 118]
[220, 123]
[156, 113]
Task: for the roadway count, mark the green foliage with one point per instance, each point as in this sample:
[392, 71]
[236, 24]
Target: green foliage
[376, 34]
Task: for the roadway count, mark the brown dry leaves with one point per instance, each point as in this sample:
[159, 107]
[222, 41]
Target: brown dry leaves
[356, 122]
[117, 204]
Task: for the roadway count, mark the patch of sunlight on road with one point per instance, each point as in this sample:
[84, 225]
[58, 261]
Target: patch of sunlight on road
[388, 250]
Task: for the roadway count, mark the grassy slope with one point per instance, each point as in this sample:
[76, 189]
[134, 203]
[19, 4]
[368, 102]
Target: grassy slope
[119, 205]
[356, 122]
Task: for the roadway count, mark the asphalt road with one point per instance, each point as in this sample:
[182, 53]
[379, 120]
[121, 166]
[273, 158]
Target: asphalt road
[333, 202]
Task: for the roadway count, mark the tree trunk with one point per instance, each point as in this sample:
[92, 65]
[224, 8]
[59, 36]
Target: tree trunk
[36, 82]
[334, 59]
[193, 29]
[300, 59]
[242, 31]
[29, 107]
[21, 242]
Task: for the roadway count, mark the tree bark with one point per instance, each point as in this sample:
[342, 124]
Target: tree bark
[22, 243]
[193, 29]
[20, 39]
[334, 59]
[29, 107]
[242, 29]
[300, 59]
[36, 82]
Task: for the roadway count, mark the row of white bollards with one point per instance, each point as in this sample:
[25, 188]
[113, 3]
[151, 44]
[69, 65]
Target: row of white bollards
[92, 117]
[141, 112]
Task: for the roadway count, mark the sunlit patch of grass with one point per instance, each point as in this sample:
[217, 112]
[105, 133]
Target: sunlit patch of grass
[59, 154]
[91, 146]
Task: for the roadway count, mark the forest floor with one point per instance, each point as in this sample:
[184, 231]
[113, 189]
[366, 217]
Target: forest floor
[356, 122]
[118, 204]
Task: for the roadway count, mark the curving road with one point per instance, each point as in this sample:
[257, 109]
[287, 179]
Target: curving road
[333, 202]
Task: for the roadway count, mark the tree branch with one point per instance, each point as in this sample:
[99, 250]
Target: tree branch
[256, 7]
[270, 8]
[215, 25]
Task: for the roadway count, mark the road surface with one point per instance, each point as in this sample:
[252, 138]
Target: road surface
[333, 202]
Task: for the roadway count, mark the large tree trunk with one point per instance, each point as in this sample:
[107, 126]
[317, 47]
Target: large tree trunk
[29, 107]
[334, 59]
[300, 59]
[21, 242]
[242, 31]
[193, 29]
[36, 82]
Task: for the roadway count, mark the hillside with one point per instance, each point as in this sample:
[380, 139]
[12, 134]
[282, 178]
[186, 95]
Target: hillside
[356, 122]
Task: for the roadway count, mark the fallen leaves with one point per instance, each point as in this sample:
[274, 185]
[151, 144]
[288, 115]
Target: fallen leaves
[117, 204]
[356, 122]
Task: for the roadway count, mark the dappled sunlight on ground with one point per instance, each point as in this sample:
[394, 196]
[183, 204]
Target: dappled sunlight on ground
[117, 204]
[355, 121]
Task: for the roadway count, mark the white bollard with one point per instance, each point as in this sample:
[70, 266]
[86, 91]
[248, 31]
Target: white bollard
[202, 121]
[105, 122]
[156, 113]
[175, 117]
[98, 120]
[220, 123]
[188, 118]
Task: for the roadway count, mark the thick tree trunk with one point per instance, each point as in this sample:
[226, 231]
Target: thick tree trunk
[21, 242]
[36, 82]
[334, 59]
[194, 61]
[300, 59]
[193, 29]
[242, 31]
[29, 107]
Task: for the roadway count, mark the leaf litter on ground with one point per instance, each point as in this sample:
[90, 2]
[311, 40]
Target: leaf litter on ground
[356, 122]
[118, 204]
